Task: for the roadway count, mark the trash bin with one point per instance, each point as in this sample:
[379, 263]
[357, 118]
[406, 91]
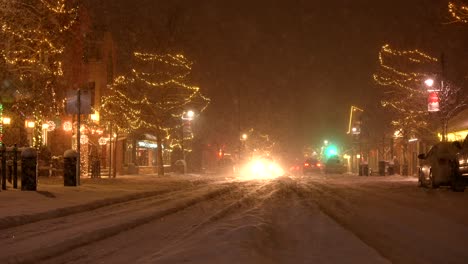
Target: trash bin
[69, 168]
[364, 169]
[179, 167]
[382, 165]
[404, 170]
[28, 170]
[391, 169]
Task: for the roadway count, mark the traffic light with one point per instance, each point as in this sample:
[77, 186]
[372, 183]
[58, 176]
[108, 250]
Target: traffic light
[220, 154]
[331, 150]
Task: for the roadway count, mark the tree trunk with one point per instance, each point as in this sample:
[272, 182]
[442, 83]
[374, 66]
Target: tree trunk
[160, 153]
[404, 170]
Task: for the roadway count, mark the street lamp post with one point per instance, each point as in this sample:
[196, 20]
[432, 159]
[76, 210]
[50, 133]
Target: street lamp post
[243, 138]
[186, 116]
[433, 104]
[29, 125]
[4, 122]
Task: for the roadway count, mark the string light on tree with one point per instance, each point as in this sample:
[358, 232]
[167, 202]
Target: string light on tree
[459, 11]
[163, 94]
[33, 42]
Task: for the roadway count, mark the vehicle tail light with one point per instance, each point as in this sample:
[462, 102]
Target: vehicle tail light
[318, 164]
[306, 164]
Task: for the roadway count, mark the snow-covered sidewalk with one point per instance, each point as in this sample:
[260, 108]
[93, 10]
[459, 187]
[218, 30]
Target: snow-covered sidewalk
[52, 198]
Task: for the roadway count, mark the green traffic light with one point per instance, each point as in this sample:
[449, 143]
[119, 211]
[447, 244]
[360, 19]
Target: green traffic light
[331, 151]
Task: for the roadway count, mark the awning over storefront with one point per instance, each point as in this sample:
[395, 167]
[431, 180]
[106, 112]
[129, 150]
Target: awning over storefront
[459, 122]
[458, 127]
[147, 136]
[147, 141]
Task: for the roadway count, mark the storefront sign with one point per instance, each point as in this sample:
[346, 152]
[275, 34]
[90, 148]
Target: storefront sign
[146, 144]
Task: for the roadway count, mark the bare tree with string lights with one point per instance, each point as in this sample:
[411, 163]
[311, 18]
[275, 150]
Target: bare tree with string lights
[153, 97]
[403, 75]
[458, 11]
[34, 35]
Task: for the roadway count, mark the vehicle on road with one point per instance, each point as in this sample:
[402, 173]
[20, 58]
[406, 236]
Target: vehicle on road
[440, 166]
[311, 165]
[334, 165]
[226, 165]
[262, 167]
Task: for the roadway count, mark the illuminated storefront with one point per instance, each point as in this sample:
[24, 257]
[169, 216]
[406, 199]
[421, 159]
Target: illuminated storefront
[141, 152]
[146, 153]
[457, 127]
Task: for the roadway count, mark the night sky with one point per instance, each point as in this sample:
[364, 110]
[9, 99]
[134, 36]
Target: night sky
[298, 65]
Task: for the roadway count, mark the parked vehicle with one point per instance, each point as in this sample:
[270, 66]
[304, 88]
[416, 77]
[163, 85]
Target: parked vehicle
[334, 165]
[463, 158]
[440, 166]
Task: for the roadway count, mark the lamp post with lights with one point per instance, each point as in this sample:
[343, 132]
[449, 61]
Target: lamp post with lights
[5, 121]
[186, 116]
[243, 139]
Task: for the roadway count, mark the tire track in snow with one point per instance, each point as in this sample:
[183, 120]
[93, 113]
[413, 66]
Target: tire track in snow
[14, 221]
[252, 198]
[394, 230]
[86, 237]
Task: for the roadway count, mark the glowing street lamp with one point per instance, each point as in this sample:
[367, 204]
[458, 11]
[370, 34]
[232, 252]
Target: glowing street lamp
[6, 120]
[190, 114]
[244, 137]
[429, 82]
[431, 85]
[29, 124]
[95, 117]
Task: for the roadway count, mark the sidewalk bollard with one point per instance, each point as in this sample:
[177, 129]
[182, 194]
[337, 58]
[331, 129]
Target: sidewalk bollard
[28, 169]
[69, 168]
[3, 157]
[15, 167]
[9, 165]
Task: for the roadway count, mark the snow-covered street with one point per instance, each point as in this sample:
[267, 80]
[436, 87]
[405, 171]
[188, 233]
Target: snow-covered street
[201, 219]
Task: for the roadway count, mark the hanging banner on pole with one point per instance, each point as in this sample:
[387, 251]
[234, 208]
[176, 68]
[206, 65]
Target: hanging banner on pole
[433, 102]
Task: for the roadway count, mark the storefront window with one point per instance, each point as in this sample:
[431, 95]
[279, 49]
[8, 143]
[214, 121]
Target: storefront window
[146, 153]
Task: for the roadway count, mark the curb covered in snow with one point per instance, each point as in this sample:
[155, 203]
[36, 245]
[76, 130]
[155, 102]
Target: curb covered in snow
[17, 220]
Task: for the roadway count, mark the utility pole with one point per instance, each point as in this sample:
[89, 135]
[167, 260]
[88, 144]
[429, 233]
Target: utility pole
[442, 76]
[239, 122]
[78, 139]
[110, 149]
